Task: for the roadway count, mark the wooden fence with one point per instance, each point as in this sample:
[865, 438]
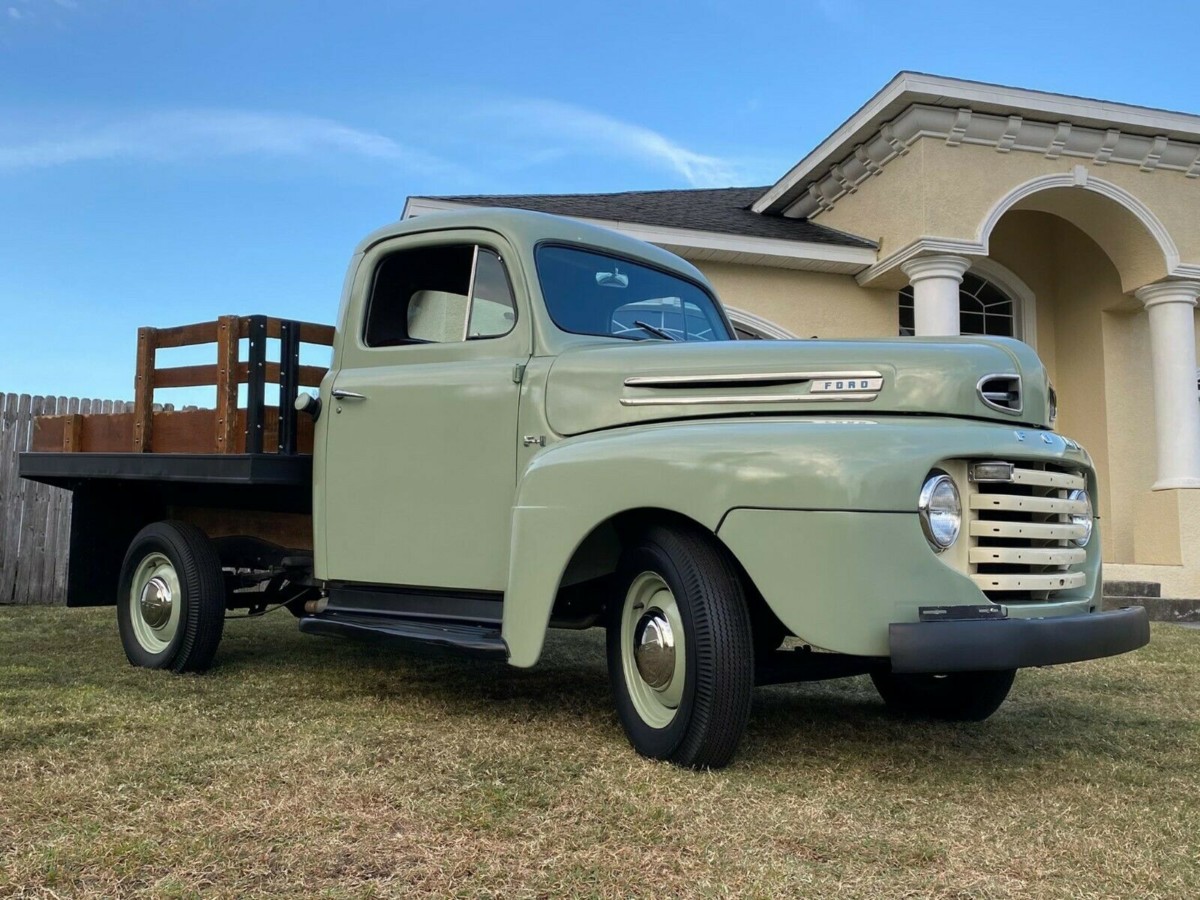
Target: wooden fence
[35, 519]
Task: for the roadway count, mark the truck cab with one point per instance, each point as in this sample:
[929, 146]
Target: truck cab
[530, 422]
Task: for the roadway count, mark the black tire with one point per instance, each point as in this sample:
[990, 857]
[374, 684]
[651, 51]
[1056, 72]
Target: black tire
[955, 697]
[183, 555]
[718, 658]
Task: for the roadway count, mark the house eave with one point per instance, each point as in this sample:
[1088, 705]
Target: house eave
[910, 89]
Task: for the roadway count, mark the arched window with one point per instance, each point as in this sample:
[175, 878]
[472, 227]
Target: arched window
[747, 334]
[983, 308]
[750, 327]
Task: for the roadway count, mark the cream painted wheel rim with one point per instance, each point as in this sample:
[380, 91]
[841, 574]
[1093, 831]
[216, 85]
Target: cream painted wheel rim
[155, 603]
[650, 621]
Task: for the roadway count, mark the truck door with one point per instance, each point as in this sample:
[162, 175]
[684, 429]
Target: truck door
[421, 439]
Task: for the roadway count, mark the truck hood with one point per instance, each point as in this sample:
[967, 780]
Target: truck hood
[607, 384]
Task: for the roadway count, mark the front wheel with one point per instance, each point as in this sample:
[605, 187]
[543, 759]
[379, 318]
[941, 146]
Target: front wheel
[171, 604]
[955, 697]
[680, 652]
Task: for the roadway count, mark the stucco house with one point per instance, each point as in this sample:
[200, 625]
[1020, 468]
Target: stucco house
[944, 207]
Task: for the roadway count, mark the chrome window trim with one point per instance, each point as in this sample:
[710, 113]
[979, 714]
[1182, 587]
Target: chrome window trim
[471, 293]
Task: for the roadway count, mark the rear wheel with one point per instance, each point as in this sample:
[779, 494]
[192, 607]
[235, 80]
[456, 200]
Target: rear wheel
[955, 697]
[171, 600]
[680, 654]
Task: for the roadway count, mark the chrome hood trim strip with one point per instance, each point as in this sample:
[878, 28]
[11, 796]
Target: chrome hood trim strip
[709, 400]
[744, 378]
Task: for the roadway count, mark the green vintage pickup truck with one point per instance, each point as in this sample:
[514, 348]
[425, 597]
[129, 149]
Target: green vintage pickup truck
[530, 423]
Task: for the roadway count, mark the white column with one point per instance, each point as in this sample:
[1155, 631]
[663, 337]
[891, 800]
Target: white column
[935, 281]
[1170, 305]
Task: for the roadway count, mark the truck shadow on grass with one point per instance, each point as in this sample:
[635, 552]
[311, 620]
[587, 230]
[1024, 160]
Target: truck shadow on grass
[823, 721]
[1051, 714]
[66, 686]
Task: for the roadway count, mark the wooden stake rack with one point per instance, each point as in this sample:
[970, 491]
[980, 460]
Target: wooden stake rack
[228, 428]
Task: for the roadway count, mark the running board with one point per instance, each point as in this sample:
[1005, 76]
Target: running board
[467, 637]
[386, 601]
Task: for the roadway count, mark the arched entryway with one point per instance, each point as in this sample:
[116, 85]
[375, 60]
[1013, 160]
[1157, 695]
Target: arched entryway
[1114, 322]
[1092, 310]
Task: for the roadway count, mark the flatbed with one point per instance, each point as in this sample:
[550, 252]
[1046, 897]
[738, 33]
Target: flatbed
[242, 473]
[70, 470]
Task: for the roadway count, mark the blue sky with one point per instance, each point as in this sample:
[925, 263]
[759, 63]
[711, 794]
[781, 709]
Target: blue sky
[168, 161]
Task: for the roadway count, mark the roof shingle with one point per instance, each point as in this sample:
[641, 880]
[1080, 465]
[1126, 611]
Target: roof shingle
[720, 210]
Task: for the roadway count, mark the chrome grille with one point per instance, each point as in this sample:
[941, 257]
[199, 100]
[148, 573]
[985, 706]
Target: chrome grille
[1021, 538]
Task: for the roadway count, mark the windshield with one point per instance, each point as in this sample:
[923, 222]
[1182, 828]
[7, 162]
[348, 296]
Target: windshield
[591, 293]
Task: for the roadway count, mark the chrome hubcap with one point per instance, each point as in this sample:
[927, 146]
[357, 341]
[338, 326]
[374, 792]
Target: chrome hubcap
[156, 602]
[654, 649]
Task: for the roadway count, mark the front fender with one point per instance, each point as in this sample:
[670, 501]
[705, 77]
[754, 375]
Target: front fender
[576, 485]
[703, 469]
[699, 469]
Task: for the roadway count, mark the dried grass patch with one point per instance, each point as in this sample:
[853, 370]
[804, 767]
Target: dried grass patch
[309, 767]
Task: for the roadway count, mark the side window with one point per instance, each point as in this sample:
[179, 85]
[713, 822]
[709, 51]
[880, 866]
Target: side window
[438, 294]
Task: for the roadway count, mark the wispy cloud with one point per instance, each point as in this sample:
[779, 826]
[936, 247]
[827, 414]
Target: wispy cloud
[528, 135]
[561, 129]
[26, 11]
[188, 135]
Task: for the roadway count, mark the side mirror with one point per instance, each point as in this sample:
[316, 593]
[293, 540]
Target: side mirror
[307, 403]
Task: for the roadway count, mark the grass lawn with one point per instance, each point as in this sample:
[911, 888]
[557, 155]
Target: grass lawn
[306, 766]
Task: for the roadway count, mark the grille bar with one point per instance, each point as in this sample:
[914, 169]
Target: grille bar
[1017, 503]
[1029, 556]
[1033, 531]
[1054, 581]
[1050, 479]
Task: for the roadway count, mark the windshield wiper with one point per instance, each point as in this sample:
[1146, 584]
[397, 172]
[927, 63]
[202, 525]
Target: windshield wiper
[659, 332]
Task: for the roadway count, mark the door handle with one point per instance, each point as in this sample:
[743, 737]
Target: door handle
[339, 394]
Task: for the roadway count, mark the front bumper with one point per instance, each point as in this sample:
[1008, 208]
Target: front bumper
[973, 645]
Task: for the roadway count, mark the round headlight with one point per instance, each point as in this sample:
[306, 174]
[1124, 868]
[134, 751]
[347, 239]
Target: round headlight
[940, 510]
[1084, 518]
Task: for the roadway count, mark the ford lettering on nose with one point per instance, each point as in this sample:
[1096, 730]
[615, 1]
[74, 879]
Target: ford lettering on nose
[872, 383]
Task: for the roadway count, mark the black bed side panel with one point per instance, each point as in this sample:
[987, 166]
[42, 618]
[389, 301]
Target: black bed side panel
[105, 516]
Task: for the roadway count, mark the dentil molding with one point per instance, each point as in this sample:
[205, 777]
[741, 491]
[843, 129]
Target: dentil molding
[1005, 134]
